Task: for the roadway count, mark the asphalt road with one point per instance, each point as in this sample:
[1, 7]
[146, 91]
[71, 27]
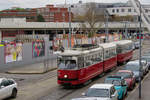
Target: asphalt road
[45, 87]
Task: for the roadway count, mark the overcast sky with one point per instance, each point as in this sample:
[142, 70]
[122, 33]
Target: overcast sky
[5, 4]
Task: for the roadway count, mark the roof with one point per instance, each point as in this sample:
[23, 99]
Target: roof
[79, 52]
[107, 45]
[136, 62]
[123, 42]
[128, 71]
[115, 76]
[102, 86]
[71, 52]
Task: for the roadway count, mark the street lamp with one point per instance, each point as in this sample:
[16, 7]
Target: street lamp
[106, 25]
[140, 33]
[69, 26]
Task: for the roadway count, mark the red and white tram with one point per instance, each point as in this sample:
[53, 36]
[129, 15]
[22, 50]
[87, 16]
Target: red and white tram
[124, 50]
[85, 62]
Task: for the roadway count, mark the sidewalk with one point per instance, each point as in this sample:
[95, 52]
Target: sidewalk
[37, 68]
[145, 90]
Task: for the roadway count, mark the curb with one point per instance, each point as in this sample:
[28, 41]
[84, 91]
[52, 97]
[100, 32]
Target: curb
[42, 72]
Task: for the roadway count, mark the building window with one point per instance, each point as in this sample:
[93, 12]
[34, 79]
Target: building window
[63, 14]
[117, 10]
[134, 10]
[146, 10]
[113, 10]
[122, 10]
[129, 10]
[51, 14]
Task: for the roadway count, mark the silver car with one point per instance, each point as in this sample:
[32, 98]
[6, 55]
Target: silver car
[100, 92]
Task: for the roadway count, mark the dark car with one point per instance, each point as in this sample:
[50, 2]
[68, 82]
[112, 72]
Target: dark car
[135, 68]
[129, 78]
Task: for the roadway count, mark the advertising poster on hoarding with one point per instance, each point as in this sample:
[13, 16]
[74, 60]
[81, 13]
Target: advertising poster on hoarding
[38, 48]
[18, 51]
[13, 52]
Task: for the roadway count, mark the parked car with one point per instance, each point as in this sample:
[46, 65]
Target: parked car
[135, 68]
[129, 78]
[147, 58]
[100, 92]
[144, 65]
[137, 45]
[120, 85]
[8, 88]
[133, 46]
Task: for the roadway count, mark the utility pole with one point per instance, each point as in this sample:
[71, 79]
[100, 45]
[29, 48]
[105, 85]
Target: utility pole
[126, 30]
[106, 26]
[70, 26]
[140, 33]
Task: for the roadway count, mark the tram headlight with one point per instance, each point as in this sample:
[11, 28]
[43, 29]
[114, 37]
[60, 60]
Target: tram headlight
[65, 76]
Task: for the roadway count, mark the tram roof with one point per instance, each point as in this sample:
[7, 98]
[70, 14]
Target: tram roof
[107, 45]
[79, 52]
[123, 42]
[71, 52]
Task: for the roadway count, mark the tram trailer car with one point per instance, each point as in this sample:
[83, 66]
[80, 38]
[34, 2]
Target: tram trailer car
[109, 56]
[124, 51]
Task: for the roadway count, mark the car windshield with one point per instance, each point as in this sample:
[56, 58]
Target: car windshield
[67, 64]
[124, 74]
[132, 67]
[146, 58]
[94, 92]
[116, 82]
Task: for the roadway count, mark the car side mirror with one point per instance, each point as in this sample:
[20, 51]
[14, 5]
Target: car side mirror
[83, 94]
[112, 96]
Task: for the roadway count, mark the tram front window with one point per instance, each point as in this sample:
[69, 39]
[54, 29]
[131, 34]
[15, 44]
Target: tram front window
[67, 64]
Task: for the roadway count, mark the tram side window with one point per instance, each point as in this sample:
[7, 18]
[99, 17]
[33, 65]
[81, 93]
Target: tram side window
[119, 49]
[96, 58]
[99, 57]
[130, 46]
[114, 52]
[80, 62]
[124, 49]
[107, 54]
[88, 61]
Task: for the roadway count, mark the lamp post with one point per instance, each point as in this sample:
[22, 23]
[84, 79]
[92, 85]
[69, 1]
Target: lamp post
[140, 33]
[106, 25]
[69, 26]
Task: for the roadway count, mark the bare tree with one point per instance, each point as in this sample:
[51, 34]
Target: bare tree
[91, 19]
[122, 18]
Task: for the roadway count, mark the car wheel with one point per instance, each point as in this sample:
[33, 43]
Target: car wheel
[126, 92]
[132, 87]
[14, 93]
[122, 96]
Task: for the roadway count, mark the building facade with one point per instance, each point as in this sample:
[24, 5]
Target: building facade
[29, 14]
[127, 9]
[54, 14]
